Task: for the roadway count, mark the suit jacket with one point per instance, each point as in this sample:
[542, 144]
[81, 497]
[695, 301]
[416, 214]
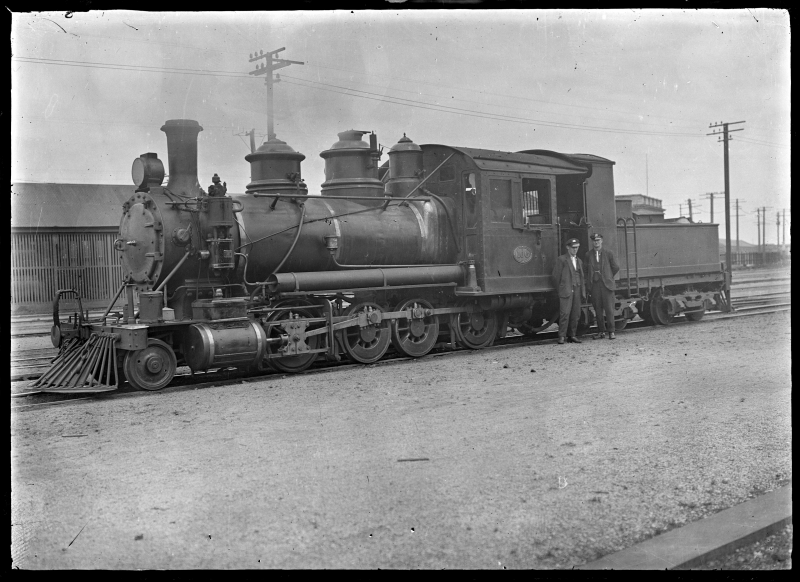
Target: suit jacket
[608, 267]
[565, 276]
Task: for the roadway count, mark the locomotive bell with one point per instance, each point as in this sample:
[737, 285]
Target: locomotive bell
[405, 167]
[275, 168]
[351, 168]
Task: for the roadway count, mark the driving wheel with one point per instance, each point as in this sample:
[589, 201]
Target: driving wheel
[475, 330]
[366, 344]
[275, 330]
[415, 336]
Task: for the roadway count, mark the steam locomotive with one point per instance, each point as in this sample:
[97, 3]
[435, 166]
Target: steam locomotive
[438, 245]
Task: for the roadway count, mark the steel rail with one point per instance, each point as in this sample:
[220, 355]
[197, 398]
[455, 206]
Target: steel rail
[324, 366]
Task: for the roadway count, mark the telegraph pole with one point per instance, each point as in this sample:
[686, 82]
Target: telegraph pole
[725, 139]
[272, 64]
[764, 230]
[738, 208]
[778, 234]
[758, 220]
[710, 195]
[784, 227]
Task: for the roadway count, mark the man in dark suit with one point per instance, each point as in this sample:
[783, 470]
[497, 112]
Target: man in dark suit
[568, 279]
[601, 267]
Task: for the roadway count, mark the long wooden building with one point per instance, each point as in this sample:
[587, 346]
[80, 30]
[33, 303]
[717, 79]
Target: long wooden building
[62, 236]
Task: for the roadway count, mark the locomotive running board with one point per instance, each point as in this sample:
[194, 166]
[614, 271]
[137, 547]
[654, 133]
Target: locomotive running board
[81, 367]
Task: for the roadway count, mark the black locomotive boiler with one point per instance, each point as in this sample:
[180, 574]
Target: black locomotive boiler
[438, 245]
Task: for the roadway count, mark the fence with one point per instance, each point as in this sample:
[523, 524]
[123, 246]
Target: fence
[45, 261]
[755, 258]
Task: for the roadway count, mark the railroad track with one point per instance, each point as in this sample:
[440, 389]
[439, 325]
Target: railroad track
[185, 380]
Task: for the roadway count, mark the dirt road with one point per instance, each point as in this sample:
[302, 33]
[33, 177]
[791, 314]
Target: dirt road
[466, 461]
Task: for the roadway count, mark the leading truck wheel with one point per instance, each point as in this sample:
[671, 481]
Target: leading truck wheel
[151, 368]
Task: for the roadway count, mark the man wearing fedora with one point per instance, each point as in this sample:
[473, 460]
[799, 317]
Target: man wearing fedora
[568, 280]
[601, 267]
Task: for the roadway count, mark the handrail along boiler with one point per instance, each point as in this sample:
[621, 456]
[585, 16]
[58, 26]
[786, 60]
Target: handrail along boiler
[439, 245]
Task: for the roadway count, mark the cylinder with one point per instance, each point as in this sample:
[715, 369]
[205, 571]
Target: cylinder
[215, 345]
[330, 280]
[405, 168]
[350, 169]
[182, 156]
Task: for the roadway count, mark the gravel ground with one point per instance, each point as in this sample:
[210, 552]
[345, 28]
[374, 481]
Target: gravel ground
[772, 553]
[528, 457]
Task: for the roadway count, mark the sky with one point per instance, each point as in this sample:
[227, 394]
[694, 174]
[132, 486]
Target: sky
[90, 91]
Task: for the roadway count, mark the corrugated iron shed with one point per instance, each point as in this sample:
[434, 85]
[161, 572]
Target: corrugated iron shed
[49, 205]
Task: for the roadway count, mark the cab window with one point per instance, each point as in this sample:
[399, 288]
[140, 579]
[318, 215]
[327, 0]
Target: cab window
[535, 201]
[500, 195]
[470, 200]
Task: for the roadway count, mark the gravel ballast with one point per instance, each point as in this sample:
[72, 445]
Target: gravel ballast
[527, 457]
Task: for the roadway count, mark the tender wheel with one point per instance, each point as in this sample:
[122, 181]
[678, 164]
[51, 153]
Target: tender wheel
[475, 330]
[658, 311]
[296, 363]
[695, 315]
[415, 337]
[644, 308]
[584, 322]
[368, 344]
[620, 324]
[151, 368]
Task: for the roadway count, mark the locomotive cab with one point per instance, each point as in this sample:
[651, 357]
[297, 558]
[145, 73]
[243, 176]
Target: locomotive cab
[513, 209]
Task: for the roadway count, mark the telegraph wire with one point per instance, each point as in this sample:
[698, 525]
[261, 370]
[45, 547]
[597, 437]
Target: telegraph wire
[238, 31]
[347, 91]
[472, 113]
[313, 84]
[762, 142]
[489, 93]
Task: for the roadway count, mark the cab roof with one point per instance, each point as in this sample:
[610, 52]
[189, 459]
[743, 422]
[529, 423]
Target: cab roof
[533, 161]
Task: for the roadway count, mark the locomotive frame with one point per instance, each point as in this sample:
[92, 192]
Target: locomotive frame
[440, 245]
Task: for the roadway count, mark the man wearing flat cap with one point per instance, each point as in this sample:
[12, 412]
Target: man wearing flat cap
[601, 267]
[568, 280]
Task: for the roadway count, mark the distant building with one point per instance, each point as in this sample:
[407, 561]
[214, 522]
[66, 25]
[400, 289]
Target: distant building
[62, 237]
[643, 209]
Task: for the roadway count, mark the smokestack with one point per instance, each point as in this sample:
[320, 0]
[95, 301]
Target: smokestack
[182, 155]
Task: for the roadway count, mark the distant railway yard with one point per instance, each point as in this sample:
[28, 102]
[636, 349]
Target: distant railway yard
[495, 458]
